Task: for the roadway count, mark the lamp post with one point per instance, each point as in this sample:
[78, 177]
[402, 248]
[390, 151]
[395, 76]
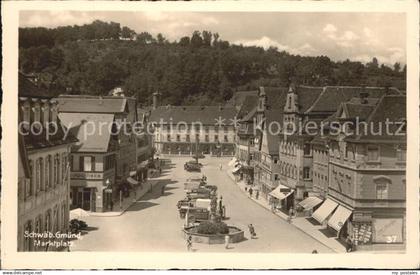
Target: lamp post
[108, 192]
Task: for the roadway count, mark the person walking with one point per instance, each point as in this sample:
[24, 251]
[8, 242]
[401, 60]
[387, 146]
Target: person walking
[349, 244]
[112, 205]
[250, 192]
[189, 243]
[289, 218]
[220, 166]
[257, 194]
[252, 231]
[227, 239]
[162, 191]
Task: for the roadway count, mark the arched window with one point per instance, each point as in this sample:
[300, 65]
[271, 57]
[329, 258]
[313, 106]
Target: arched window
[381, 186]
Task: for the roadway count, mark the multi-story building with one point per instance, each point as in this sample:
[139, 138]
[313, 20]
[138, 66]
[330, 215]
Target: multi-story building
[269, 115]
[106, 152]
[178, 130]
[43, 191]
[305, 109]
[245, 130]
[367, 163]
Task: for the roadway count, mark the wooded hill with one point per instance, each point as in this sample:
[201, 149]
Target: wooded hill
[197, 69]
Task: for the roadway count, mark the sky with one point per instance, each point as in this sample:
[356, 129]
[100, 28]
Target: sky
[356, 36]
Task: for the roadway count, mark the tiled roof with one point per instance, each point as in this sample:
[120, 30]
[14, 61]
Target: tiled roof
[272, 117]
[207, 115]
[92, 104]
[307, 96]
[393, 109]
[276, 97]
[248, 105]
[92, 130]
[250, 116]
[332, 96]
[238, 98]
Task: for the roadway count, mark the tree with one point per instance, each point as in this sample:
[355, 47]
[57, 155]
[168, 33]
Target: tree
[397, 67]
[127, 33]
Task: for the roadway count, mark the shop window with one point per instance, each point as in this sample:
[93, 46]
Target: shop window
[372, 153]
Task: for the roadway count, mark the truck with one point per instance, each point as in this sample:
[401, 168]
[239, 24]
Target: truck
[200, 209]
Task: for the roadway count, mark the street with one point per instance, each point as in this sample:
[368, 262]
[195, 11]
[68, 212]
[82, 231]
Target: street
[153, 224]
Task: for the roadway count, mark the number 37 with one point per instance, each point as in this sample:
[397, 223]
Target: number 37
[391, 239]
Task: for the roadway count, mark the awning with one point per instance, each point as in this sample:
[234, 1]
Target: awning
[310, 202]
[236, 169]
[339, 217]
[281, 192]
[132, 181]
[324, 210]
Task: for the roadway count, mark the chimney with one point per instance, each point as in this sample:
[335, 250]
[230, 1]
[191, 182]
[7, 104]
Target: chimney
[155, 100]
[363, 95]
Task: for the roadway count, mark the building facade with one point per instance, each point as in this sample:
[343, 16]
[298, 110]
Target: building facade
[106, 153]
[367, 173]
[185, 130]
[44, 185]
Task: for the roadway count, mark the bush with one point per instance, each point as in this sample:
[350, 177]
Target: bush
[212, 228]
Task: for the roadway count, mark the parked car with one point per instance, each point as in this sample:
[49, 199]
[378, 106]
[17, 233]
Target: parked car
[192, 167]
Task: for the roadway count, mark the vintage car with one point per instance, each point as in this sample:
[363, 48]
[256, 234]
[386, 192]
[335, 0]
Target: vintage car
[192, 167]
[199, 209]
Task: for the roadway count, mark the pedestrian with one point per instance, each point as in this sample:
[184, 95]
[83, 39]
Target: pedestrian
[224, 211]
[112, 205]
[163, 190]
[221, 212]
[251, 231]
[289, 219]
[250, 192]
[246, 188]
[227, 239]
[257, 194]
[349, 244]
[220, 166]
[189, 243]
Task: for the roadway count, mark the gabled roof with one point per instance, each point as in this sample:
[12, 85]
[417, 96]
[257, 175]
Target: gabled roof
[276, 96]
[275, 119]
[92, 104]
[92, 130]
[307, 96]
[249, 104]
[207, 115]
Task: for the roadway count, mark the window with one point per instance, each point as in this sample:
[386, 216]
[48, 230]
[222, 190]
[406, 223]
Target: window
[206, 129]
[276, 176]
[275, 160]
[307, 149]
[216, 138]
[216, 129]
[168, 138]
[206, 138]
[197, 137]
[401, 155]
[381, 191]
[187, 138]
[38, 175]
[226, 138]
[87, 164]
[306, 174]
[178, 138]
[349, 153]
[47, 172]
[29, 183]
[373, 153]
[225, 129]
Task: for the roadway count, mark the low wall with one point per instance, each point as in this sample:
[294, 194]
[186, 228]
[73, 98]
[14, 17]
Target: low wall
[234, 237]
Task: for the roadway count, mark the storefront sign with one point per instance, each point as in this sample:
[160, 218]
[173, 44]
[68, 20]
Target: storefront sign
[86, 175]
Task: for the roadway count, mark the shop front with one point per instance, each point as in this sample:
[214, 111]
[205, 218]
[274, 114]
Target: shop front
[281, 198]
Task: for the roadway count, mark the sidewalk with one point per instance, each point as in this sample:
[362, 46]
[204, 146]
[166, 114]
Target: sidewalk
[127, 202]
[300, 222]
